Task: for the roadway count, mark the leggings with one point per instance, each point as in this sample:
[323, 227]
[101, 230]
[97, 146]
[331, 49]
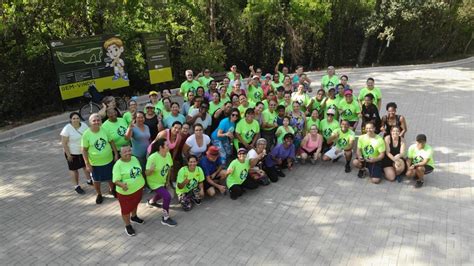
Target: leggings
[162, 193]
[236, 191]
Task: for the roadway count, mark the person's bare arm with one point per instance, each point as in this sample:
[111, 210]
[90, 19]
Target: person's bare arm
[403, 125]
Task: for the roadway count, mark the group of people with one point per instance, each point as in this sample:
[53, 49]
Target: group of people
[236, 135]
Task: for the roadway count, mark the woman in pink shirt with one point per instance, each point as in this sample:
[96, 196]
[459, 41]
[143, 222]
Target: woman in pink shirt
[311, 145]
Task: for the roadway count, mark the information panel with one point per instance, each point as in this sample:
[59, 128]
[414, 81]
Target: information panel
[94, 60]
[157, 58]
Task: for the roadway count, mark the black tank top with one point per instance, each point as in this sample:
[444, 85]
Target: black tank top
[388, 127]
[395, 150]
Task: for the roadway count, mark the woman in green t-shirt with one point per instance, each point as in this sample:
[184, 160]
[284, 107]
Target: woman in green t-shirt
[190, 187]
[238, 173]
[129, 181]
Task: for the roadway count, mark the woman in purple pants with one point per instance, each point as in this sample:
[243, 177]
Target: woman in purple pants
[158, 178]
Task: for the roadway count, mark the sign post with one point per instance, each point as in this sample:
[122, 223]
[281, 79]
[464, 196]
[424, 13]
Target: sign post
[157, 58]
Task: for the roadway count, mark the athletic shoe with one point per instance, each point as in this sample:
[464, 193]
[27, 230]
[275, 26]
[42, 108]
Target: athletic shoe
[419, 184]
[399, 178]
[360, 174]
[280, 173]
[90, 182]
[99, 199]
[313, 161]
[337, 159]
[153, 205]
[137, 220]
[196, 200]
[169, 222]
[348, 168]
[79, 190]
[129, 230]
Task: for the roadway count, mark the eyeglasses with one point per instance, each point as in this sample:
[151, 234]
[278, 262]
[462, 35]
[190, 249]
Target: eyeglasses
[234, 114]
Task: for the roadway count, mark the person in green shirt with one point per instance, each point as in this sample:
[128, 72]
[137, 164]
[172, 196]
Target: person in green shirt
[316, 103]
[158, 169]
[343, 139]
[132, 110]
[330, 80]
[99, 152]
[269, 124]
[420, 160]
[330, 102]
[313, 120]
[116, 127]
[254, 91]
[284, 72]
[328, 125]
[301, 97]
[284, 129]
[372, 90]
[340, 92]
[216, 103]
[370, 153]
[205, 78]
[276, 82]
[188, 85]
[247, 131]
[349, 109]
[129, 181]
[190, 187]
[238, 173]
[244, 104]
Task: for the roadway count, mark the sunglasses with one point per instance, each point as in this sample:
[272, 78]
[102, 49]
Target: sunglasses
[234, 114]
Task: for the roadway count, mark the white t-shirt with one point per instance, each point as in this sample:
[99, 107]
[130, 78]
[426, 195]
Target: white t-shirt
[195, 149]
[252, 154]
[74, 136]
[207, 122]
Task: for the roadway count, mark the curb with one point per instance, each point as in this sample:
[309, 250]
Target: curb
[58, 121]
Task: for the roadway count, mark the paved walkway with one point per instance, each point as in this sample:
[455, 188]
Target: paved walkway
[317, 215]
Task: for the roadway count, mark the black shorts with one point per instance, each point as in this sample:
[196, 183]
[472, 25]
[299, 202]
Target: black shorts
[310, 153]
[387, 162]
[375, 169]
[428, 169]
[102, 173]
[207, 185]
[76, 163]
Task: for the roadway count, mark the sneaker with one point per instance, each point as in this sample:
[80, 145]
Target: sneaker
[280, 173]
[197, 200]
[153, 204]
[348, 168]
[169, 222]
[399, 178]
[337, 159]
[360, 174]
[129, 230]
[99, 199]
[79, 190]
[313, 161]
[137, 220]
[90, 182]
[419, 184]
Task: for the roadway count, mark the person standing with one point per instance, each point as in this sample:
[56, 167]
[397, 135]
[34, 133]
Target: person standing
[330, 80]
[99, 153]
[129, 181]
[158, 168]
[139, 134]
[372, 90]
[71, 142]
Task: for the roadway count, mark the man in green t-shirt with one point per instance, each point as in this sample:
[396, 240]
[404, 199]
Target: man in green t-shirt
[99, 152]
[372, 90]
[269, 124]
[129, 181]
[370, 152]
[349, 109]
[420, 160]
[247, 131]
[190, 84]
[343, 139]
[328, 125]
[205, 78]
[330, 80]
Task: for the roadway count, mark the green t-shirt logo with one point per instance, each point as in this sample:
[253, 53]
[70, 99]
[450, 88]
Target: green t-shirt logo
[121, 131]
[243, 174]
[249, 135]
[418, 159]
[100, 144]
[342, 142]
[164, 170]
[257, 95]
[327, 132]
[369, 150]
[329, 84]
[135, 172]
[347, 112]
[192, 184]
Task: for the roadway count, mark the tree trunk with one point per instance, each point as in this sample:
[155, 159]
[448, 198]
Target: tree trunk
[363, 51]
[212, 20]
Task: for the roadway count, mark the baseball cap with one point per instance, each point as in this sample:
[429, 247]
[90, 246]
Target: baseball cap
[212, 151]
[255, 77]
[268, 75]
[152, 93]
[149, 105]
[347, 92]
[331, 111]
[242, 150]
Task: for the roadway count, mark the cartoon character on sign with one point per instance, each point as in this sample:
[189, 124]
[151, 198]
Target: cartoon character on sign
[114, 47]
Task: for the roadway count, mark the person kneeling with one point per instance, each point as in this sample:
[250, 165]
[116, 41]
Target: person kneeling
[420, 160]
[370, 152]
[190, 188]
[215, 175]
[282, 156]
[237, 174]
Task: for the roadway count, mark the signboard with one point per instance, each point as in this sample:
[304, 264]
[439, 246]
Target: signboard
[94, 60]
[157, 58]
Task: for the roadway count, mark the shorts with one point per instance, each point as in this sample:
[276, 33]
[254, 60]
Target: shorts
[428, 169]
[207, 185]
[102, 173]
[375, 169]
[387, 162]
[128, 203]
[310, 153]
[332, 153]
[77, 162]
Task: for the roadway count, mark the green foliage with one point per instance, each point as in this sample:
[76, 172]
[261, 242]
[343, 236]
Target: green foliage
[314, 33]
